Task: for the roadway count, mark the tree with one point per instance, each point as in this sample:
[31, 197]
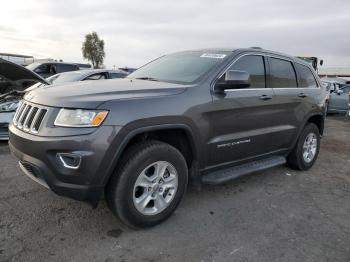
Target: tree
[93, 49]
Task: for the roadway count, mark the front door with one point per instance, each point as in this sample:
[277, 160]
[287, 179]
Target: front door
[242, 120]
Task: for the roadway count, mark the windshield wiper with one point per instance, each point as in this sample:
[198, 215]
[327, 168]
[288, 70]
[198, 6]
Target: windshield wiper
[147, 78]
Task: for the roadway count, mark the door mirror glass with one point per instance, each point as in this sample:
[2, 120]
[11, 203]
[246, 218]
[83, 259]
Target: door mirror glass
[234, 79]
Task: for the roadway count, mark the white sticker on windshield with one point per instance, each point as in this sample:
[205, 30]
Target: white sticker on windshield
[217, 56]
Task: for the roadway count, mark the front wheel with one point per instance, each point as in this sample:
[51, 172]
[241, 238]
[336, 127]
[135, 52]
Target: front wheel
[148, 185]
[306, 149]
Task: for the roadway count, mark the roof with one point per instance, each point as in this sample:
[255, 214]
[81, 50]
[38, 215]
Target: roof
[252, 49]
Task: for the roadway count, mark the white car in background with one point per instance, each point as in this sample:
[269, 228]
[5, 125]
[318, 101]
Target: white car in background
[16, 80]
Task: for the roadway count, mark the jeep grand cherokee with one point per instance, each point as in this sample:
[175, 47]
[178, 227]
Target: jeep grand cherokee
[206, 116]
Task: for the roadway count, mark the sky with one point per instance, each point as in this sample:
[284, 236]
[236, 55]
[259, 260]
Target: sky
[136, 32]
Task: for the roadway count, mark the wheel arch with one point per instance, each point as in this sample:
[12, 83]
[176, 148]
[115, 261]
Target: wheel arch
[150, 132]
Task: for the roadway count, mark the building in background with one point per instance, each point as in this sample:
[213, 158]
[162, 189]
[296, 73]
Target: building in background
[23, 60]
[17, 58]
[342, 72]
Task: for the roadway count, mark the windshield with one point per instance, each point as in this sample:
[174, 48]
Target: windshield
[65, 77]
[32, 66]
[185, 67]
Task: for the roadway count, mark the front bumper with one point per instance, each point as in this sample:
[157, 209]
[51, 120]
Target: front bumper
[38, 160]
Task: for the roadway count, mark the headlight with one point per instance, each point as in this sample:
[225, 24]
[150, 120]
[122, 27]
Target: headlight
[9, 106]
[80, 118]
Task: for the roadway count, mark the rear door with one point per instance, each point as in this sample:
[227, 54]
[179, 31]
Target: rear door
[294, 86]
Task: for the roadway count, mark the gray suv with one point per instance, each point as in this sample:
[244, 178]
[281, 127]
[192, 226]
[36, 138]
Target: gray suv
[47, 69]
[205, 116]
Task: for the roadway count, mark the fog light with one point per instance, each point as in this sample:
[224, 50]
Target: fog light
[71, 161]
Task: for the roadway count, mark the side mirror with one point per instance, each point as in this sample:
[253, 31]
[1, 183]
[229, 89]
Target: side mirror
[234, 79]
[339, 92]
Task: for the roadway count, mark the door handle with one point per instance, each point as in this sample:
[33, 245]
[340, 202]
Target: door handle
[302, 95]
[265, 97]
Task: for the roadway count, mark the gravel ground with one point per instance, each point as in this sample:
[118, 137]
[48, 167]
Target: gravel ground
[277, 215]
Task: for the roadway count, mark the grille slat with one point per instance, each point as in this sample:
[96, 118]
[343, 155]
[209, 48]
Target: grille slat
[23, 116]
[29, 117]
[18, 112]
[27, 114]
[39, 120]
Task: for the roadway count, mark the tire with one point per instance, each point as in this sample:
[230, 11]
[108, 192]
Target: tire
[122, 194]
[296, 158]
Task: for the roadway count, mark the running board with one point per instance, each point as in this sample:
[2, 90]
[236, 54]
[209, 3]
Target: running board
[222, 176]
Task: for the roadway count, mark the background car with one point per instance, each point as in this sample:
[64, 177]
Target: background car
[339, 100]
[14, 79]
[18, 78]
[47, 69]
[339, 94]
[81, 75]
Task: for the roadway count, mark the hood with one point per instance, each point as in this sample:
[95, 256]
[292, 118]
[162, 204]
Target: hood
[90, 94]
[14, 77]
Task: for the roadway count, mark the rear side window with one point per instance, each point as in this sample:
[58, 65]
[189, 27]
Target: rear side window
[254, 65]
[96, 77]
[282, 74]
[117, 75]
[305, 76]
[66, 67]
[43, 69]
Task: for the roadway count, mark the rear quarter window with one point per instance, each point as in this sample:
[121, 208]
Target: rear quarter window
[306, 78]
[282, 74]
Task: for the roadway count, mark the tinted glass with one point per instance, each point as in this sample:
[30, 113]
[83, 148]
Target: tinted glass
[66, 67]
[32, 66]
[254, 65]
[282, 74]
[117, 75]
[305, 76]
[65, 77]
[43, 69]
[184, 67]
[96, 77]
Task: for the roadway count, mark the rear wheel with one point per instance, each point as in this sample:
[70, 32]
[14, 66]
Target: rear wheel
[307, 148]
[148, 185]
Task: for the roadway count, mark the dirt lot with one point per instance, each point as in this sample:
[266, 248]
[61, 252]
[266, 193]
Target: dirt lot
[278, 215]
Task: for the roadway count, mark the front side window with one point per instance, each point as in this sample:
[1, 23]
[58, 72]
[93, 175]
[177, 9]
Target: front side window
[96, 77]
[305, 77]
[254, 65]
[282, 74]
[184, 67]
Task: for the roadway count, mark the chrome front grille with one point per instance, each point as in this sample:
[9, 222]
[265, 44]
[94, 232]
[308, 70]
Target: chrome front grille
[29, 117]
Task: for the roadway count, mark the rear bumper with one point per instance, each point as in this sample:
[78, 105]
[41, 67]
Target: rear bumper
[38, 160]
